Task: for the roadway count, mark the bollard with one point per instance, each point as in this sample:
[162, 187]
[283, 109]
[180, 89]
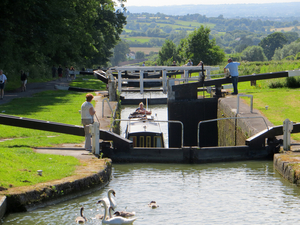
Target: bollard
[287, 129]
[94, 130]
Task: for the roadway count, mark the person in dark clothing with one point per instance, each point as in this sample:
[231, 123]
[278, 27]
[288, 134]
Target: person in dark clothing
[60, 72]
[23, 80]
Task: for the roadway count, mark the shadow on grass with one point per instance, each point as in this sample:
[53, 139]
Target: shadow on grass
[29, 105]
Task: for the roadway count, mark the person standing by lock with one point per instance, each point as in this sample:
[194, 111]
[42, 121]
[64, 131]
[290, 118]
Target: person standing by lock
[233, 69]
[87, 118]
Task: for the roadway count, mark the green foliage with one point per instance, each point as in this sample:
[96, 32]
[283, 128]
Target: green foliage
[120, 51]
[254, 53]
[38, 33]
[271, 43]
[198, 47]
[289, 51]
[168, 53]
[139, 55]
[293, 82]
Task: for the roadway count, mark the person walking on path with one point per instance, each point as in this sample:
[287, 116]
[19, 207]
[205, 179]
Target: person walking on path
[233, 69]
[87, 118]
[23, 80]
[3, 80]
[60, 72]
[54, 71]
[72, 73]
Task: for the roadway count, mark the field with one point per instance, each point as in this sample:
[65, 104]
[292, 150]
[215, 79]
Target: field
[286, 29]
[145, 50]
[141, 39]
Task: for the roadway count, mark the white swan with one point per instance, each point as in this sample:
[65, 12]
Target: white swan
[124, 213]
[100, 217]
[108, 200]
[81, 218]
[115, 220]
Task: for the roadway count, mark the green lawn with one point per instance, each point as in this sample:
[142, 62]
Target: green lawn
[18, 161]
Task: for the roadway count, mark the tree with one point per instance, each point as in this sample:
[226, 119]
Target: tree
[119, 53]
[44, 32]
[254, 53]
[167, 53]
[287, 50]
[167, 29]
[198, 47]
[271, 42]
[139, 55]
[291, 36]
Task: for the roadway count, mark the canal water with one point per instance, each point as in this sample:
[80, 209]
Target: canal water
[249, 192]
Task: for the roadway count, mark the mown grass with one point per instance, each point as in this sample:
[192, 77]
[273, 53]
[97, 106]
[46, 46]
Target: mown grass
[19, 167]
[18, 161]
[88, 81]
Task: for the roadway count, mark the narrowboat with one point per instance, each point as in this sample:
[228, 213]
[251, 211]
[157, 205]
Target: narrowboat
[144, 131]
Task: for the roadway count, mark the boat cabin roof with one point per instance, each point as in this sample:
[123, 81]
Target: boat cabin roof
[143, 123]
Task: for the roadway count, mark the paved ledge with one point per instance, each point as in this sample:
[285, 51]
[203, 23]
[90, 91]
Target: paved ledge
[92, 174]
[249, 126]
[288, 164]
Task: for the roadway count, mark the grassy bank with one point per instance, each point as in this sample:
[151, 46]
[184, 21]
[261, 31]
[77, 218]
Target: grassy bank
[18, 161]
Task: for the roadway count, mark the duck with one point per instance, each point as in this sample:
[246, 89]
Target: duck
[153, 204]
[108, 200]
[124, 214]
[114, 220]
[81, 218]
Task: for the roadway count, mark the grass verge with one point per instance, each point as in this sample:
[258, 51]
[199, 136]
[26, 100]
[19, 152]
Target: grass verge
[19, 163]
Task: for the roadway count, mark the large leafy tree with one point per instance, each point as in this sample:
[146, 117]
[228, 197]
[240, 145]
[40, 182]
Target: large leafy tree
[198, 47]
[168, 53]
[36, 32]
[254, 53]
[119, 53]
[290, 51]
[271, 42]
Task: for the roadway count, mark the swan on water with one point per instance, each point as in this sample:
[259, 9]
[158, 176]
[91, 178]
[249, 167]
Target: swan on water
[81, 218]
[124, 213]
[153, 204]
[108, 200]
[100, 216]
[114, 220]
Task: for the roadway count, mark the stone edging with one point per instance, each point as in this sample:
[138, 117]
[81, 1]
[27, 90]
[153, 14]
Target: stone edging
[285, 169]
[89, 177]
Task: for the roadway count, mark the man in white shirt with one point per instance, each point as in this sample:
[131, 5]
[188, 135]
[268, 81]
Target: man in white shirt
[3, 80]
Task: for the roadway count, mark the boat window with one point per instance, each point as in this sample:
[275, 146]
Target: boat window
[142, 144]
[157, 141]
[133, 139]
[148, 141]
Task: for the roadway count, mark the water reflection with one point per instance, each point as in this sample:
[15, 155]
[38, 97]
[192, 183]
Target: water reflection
[221, 193]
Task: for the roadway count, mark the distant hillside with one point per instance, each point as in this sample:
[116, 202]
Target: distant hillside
[291, 9]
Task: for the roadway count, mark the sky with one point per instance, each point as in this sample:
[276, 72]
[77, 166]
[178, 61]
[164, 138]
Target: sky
[195, 2]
